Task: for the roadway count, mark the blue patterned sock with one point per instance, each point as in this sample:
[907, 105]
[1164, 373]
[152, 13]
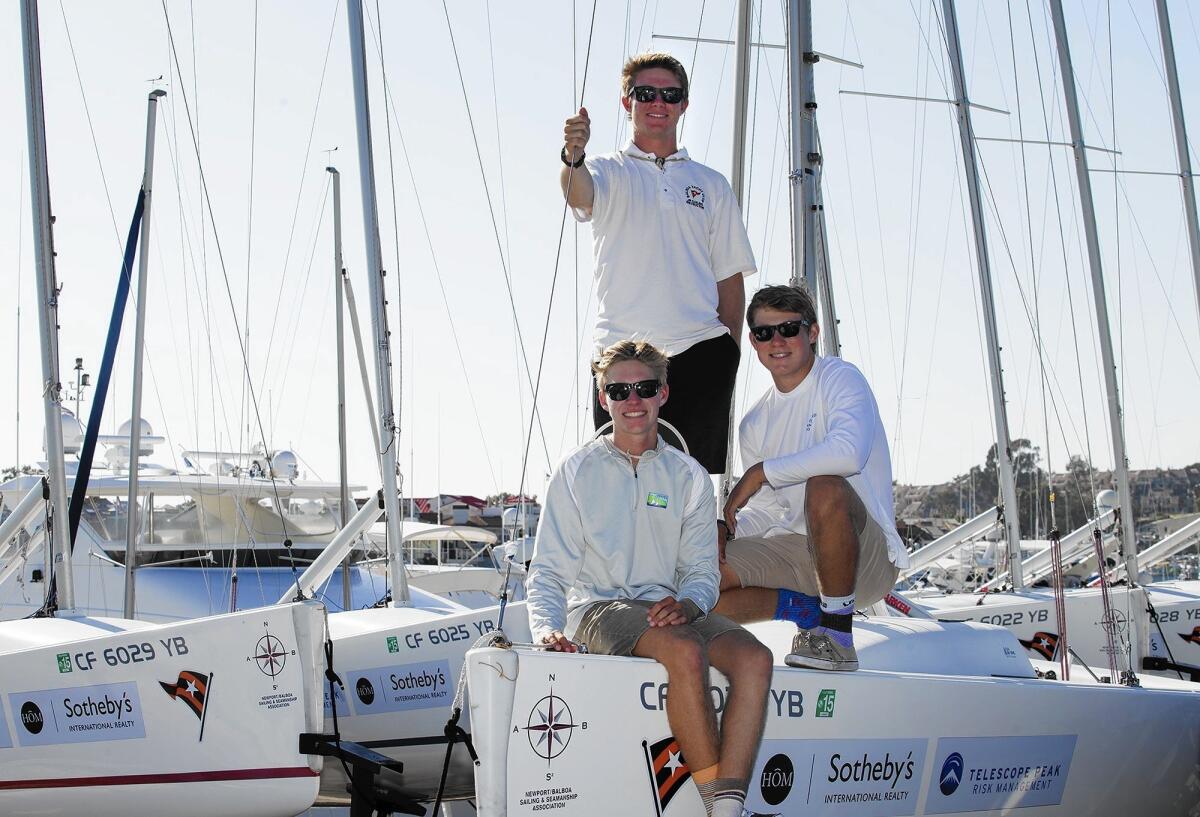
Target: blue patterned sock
[802, 610]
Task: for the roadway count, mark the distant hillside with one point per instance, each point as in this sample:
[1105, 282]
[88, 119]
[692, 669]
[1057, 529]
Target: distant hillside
[1157, 493]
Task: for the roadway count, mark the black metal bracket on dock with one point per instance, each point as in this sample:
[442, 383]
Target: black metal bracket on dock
[375, 790]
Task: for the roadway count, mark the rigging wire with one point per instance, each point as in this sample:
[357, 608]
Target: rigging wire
[299, 193]
[874, 177]
[1063, 246]
[19, 267]
[691, 68]
[188, 250]
[863, 342]
[217, 391]
[441, 283]
[103, 176]
[207, 200]
[557, 259]
[575, 369]
[87, 111]
[916, 199]
[312, 379]
[535, 413]
[712, 122]
[1186, 345]
[1112, 106]
[504, 193]
[300, 296]
[377, 30]
[199, 204]
[243, 419]
[1035, 279]
[773, 207]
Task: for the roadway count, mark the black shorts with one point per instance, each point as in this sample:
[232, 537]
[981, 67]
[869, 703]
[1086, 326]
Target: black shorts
[701, 380]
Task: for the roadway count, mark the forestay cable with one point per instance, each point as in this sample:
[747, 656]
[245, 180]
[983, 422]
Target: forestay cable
[535, 415]
[207, 201]
[562, 226]
[437, 270]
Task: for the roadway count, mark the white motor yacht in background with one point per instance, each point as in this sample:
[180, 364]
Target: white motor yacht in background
[227, 508]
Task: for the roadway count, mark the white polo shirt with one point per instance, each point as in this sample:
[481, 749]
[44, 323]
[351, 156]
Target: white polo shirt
[664, 233]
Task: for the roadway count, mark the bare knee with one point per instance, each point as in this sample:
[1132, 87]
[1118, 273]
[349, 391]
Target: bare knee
[826, 497]
[684, 659]
[746, 661]
[755, 664]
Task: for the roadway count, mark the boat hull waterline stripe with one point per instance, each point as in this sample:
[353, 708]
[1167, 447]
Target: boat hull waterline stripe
[144, 779]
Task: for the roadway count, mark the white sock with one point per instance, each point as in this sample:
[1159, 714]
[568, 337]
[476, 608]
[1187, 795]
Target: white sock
[728, 806]
[837, 604]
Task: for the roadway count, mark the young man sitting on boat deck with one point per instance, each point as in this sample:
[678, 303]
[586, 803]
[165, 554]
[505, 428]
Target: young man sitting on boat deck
[625, 562]
[813, 513]
[670, 251]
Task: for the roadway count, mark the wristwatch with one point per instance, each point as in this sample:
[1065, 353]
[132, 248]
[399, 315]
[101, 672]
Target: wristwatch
[563, 155]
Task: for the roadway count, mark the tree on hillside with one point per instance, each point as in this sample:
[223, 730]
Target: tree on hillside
[1030, 479]
[1075, 494]
[13, 471]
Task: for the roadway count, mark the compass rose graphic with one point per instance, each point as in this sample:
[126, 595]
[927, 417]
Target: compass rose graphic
[550, 727]
[270, 655]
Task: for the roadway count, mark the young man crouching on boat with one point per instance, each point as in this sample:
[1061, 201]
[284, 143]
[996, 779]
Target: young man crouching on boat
[625, 562]
[813, 513]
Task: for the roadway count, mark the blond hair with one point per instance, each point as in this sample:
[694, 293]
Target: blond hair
[642, 351]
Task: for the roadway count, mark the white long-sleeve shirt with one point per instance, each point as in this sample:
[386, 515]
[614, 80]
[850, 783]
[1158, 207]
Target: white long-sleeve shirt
[827, 426]
[610, 532]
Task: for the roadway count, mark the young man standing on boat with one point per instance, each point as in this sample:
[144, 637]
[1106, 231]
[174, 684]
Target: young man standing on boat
[625, 562]
[813, 514]
[670, 251]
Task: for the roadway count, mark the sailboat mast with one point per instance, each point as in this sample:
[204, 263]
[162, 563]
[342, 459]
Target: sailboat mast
[1084, 181]
[388, 431]
[133, 526]
[966, 136]
[741, 99]
[47, 294]
[343, 475]
[1181, 142]
[807, 217]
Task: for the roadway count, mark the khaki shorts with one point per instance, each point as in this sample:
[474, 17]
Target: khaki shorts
[787, 562]
[614, 627]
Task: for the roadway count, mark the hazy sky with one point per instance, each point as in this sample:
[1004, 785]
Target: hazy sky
[268, 110]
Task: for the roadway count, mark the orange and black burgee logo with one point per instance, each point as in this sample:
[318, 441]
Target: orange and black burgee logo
[1045, 644]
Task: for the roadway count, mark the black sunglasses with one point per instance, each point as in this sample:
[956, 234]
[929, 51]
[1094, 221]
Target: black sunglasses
[648, 93]
[645, 389]
[787, 329]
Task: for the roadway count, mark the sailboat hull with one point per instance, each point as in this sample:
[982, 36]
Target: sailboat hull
[118, 717]
[1175, 626]
[400, 667]
[873, 742]
[1030, 615]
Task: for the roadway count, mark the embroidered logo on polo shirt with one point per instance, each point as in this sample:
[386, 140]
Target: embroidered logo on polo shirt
[694, 196]
[656, 500]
